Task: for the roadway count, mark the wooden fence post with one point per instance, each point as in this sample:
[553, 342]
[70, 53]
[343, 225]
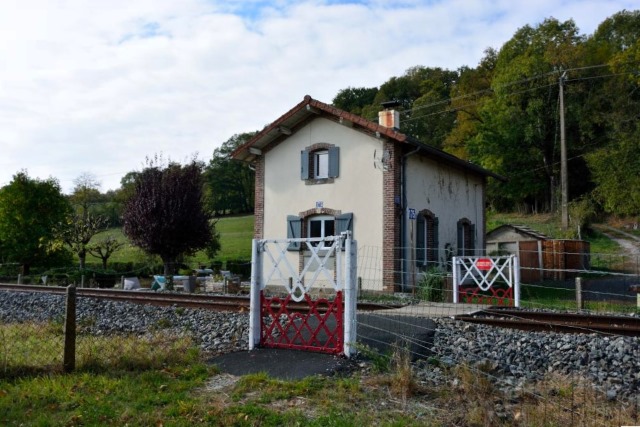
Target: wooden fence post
[579, 300]
[70, 330]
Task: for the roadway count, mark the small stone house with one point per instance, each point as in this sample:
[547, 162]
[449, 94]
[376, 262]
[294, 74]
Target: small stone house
[320, 171]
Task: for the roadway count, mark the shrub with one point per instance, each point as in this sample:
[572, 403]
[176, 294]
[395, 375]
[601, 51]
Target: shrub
[431, 285]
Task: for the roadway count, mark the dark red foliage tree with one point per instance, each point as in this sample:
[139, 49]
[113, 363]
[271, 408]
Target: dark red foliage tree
[166, 214]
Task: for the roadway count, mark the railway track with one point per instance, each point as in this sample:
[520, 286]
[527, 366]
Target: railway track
[555, 322]
[202, 301]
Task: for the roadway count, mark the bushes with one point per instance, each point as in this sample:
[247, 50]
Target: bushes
[431, 285]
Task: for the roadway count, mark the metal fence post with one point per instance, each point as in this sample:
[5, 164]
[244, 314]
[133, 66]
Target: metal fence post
[350, 321]
[19, 279]
[455, 279]
[70, 330]
[254, 310]
[516, 280]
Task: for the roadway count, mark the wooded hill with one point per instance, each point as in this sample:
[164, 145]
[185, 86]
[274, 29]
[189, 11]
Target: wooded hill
[504, 114]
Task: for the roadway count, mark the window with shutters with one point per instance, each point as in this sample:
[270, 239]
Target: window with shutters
[320, 163]
[320, 226]
[466, 238]
[317, 226]
[426, 239]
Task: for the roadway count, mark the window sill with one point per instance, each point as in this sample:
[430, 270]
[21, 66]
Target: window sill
[318, 181]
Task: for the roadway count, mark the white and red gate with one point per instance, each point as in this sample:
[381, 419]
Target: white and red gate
[486, 280]
[297, 320]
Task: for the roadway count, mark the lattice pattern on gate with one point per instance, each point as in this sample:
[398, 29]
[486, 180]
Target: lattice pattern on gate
[318, 329]
[325, 324]
[486, 280]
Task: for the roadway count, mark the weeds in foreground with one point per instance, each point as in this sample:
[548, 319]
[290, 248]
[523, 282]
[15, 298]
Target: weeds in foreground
[167, 385]
[36, 348]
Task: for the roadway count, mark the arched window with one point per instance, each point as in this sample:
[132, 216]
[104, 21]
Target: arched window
[426, 239]
[466, 238]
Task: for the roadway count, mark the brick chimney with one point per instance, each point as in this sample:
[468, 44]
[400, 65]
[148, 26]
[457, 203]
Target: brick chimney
[389, 117]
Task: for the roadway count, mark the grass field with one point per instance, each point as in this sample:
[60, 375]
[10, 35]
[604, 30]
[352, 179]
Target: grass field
[235, 238]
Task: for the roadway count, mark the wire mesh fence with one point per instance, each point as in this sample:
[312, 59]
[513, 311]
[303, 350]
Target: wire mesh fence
[497, 375]
[510, 376]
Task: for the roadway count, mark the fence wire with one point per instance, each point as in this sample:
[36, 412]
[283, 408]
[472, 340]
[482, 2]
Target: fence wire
[511, 376]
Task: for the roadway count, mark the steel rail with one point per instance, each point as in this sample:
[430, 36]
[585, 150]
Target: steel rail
[555, 322]
[204, 301]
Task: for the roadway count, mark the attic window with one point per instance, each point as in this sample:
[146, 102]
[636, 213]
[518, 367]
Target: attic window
[319, 163]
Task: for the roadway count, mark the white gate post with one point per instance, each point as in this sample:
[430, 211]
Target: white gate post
[350, 297]
[516, 280]
[256, 282]
[454, 260]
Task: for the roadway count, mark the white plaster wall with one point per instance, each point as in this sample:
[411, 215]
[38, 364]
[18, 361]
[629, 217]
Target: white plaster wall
[357, 189]
[450, 193]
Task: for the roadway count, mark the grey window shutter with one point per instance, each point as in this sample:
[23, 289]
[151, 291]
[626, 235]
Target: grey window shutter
[294, 231]
[472, 239]
[436, 243]
[304, 164]
[344, 222]
[460, 247]
[420, 240]
[334, 162]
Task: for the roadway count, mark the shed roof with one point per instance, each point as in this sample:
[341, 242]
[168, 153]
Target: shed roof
[311, 108]
[520, 229]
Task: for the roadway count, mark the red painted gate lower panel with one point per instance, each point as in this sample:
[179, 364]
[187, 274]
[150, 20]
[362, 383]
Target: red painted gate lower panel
[320, 329]
[495, 296]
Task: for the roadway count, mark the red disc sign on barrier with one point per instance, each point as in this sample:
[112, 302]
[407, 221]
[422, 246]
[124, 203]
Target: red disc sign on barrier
[484, 264]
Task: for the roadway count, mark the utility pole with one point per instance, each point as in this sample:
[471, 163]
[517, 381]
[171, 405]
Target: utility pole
[564, 184]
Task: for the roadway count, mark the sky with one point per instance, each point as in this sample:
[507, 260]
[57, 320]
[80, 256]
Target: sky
[98, 86]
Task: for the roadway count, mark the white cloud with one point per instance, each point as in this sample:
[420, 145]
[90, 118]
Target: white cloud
[98, 86]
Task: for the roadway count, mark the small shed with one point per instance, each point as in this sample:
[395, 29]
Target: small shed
[541, 258]
[505, 238]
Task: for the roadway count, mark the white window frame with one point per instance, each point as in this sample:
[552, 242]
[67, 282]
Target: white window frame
[323, 219]
[321, 164]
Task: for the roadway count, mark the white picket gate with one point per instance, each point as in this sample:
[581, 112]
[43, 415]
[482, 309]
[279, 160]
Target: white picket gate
[298, 321]
[486, 280]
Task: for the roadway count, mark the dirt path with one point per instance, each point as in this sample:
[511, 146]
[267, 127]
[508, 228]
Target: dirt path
[630, 243]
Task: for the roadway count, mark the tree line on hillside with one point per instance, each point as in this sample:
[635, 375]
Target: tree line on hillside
[504, 113]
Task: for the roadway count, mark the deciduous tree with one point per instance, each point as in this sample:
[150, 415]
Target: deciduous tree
[77, 230]
[230, 184]
[166, 214]
[30, 209]
[104, 248]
